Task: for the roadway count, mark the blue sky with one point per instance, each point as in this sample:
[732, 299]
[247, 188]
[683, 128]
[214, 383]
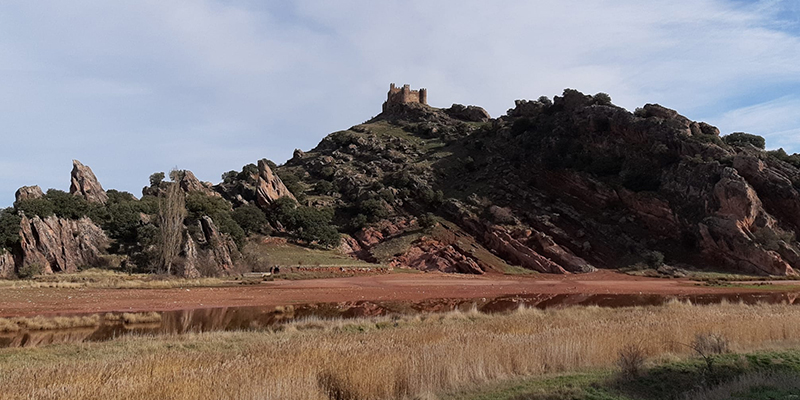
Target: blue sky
[134, 87]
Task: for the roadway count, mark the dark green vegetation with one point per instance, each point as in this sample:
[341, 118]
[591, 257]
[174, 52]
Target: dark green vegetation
[756, 376]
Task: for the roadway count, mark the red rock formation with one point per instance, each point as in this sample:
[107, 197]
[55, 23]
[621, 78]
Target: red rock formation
[270, 187]
[28, 193]
[84, 183]
[7, 265]
[56, 244]
[730, 235]
[431, 255]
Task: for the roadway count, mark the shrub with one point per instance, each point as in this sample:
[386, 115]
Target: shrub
[249, 173]
[654, 259]
[156, 178]
[711, 344]
[230, 177]
[323, 187]
[374, 209]
[28, 271]
[251, 219]
[742, 139]
[307, 223]
[602, 99]
[59, 203]
[9, 229]
[427, 220]
[631, 360]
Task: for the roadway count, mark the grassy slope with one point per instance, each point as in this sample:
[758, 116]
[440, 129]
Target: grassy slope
[740, 376]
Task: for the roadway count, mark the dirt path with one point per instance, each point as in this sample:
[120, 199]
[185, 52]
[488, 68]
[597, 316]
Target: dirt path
[392, 287]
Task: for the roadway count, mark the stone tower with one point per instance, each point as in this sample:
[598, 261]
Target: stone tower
[405, 95]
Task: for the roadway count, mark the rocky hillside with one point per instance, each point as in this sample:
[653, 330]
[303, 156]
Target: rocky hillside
[561, 186]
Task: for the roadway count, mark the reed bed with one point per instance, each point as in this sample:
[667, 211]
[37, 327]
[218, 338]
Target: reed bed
[414, 357]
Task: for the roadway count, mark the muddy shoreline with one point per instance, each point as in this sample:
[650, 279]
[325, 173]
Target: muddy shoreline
[413, 288]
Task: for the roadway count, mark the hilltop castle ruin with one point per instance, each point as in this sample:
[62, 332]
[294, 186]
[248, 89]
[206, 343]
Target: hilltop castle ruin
[405, 95]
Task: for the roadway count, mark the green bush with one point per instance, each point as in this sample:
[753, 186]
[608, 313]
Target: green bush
[58, 203]
[28, 271]
[602, 99]
[9, 229]
[307, 223]
[251, 219]
[374, 209]
[156, 179]
[742, 139]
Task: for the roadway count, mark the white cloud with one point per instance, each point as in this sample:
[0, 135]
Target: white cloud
[777, 120]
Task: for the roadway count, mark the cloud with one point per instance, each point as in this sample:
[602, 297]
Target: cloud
[777, 120]
[131, 88]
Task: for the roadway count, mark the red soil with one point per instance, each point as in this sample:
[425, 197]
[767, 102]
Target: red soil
[392, 287]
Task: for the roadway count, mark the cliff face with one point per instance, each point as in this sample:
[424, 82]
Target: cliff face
[55, 244]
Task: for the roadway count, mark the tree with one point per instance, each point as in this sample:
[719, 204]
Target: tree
[742, 139]
[171, 212]
[156, 178]
[9, 229]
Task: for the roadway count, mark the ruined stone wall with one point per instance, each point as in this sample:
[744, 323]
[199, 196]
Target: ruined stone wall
[406, 95]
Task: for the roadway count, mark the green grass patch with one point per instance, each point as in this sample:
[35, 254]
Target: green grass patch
[737, 376]
[289, 254]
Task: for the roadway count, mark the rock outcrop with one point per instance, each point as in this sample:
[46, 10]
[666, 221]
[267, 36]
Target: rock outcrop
[7, 265]
[431, 255]
[211, 253]
[28, 193]
[468, 113]
[55, 244]
[731, 235]
[189, 183]
[270, 187]
[84, 183]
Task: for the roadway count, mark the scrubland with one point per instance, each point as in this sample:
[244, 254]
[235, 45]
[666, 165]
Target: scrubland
[423, 356]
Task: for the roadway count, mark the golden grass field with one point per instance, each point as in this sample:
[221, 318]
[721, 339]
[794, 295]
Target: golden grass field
[413, 357]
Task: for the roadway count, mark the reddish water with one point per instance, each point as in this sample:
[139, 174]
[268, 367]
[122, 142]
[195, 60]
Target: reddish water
[260, 318]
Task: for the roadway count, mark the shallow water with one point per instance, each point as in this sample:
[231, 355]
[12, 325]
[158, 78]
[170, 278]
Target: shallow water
[260, 318]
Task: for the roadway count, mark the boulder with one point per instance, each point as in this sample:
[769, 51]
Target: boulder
[189, 183]
[270, 187]
[84, 183]
[468, 113]
[55, 244]
[28, 193]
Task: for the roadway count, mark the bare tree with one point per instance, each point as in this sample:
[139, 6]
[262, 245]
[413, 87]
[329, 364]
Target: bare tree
[171, 213]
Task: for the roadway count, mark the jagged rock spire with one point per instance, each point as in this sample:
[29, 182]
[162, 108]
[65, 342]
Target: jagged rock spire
[85, 184]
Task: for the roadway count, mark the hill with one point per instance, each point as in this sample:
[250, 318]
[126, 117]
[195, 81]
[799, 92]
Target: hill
[561, 186]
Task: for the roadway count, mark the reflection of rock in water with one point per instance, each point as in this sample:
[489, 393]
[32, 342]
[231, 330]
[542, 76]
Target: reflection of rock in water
[255, 318]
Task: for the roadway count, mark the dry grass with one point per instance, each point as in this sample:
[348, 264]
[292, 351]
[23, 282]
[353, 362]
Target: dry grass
[96, 278]
[382, 358]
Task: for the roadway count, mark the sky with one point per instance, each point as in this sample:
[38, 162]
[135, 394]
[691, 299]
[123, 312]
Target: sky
[135, 87]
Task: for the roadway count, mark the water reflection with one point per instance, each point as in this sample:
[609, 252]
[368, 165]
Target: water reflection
[259, 318]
